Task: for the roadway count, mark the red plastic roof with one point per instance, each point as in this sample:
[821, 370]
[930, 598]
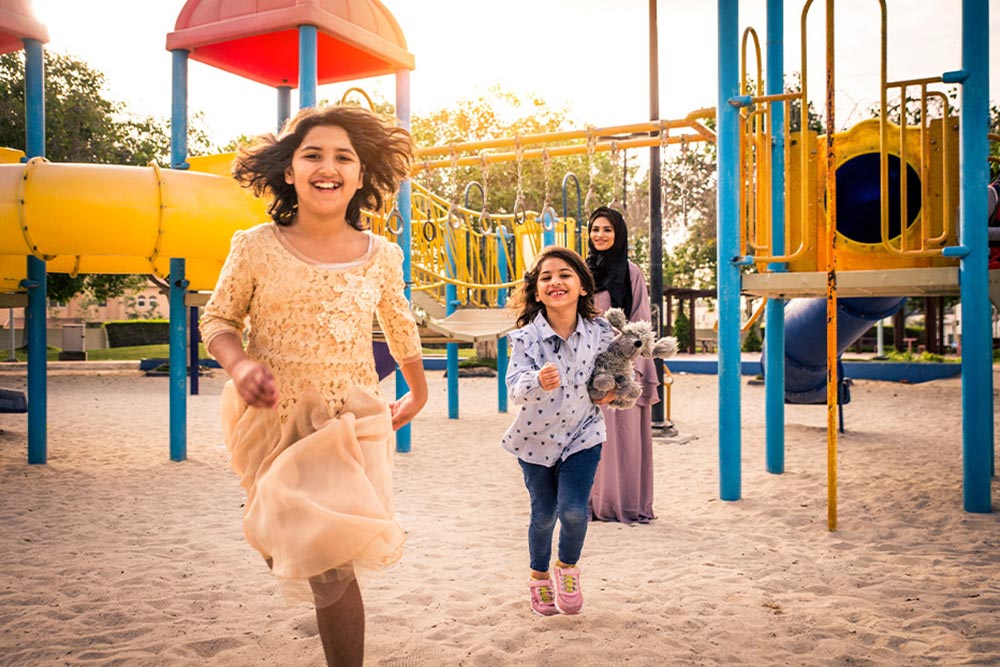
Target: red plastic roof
[258, 39]
[18, 22]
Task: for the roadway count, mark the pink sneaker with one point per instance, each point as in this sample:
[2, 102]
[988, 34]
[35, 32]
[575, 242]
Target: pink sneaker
[569, 596]
[542, 597]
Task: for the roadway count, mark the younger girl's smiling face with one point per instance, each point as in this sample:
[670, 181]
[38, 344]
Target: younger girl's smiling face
[325, 171]
[602, 234]
[558, 285]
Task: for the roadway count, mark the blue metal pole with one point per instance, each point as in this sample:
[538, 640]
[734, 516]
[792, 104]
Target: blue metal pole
[404, 435]
[774, 331]
[37, 280]
[34, 94]
[451, 301]
[502, 358]
[308, 44]
[178, 283]
[977, 374]
[178, 110]
[178, 361]
[728, 143]
[577, 240]
[284, 105]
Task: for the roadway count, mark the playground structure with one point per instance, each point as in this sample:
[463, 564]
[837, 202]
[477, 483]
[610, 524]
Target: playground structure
[863, 213]
[166, 221]
[460, 261]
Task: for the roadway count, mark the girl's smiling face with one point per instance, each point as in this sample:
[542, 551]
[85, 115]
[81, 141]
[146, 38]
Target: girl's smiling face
[558, 286]
[325, 171]
[602, 234]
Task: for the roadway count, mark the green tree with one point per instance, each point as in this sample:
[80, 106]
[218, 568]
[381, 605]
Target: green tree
[682, 330]
[752, 342]
[82, 125]
[691, 180]
[504, 114]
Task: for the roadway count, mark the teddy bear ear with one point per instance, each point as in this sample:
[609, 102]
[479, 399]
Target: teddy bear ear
[616, 317]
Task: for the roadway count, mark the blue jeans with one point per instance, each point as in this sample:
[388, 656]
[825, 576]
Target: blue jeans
[559, 492]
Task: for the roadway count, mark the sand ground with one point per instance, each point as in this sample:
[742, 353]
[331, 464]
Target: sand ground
[115, 556]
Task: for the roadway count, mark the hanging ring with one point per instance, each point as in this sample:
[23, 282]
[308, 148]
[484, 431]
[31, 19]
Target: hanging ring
[429, 230]
[548, 216]
[394, 215]
[455, 217]
[520, 214]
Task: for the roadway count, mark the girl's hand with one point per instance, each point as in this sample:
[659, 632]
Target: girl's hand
[608, 397]
[404, 410]
[255, 383]
[548, 377]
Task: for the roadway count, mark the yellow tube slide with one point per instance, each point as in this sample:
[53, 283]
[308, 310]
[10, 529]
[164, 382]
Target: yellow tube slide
[84, 218]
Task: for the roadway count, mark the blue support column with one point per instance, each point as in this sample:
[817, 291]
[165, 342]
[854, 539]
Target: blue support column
[728, 143]
[37, 280]
[35, 336]
[451, 301]
[404, 435]
[178, 110]
[308, 55]
[284, 105]
[977, 373]
[178, 361]
[774, 330]
[502, 358]
[178, 282]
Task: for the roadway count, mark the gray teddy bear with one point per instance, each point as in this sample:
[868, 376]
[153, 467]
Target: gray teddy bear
[613, 368]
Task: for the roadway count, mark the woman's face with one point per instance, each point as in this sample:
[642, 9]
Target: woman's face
[602, 234]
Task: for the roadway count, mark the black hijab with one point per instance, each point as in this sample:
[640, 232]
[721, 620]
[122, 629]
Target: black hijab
[610, 267]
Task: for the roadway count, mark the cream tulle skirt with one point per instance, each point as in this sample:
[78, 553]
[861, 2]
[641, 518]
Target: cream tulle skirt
[319, 490]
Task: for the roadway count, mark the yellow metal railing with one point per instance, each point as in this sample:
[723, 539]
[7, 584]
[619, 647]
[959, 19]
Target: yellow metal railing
[927, 146]
[455, 245]
[756, 168]
[926, 236]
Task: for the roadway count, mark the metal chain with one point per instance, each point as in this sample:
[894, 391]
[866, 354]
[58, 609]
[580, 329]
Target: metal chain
[519, 206]
[546, 174]
[664, 143]
[615, 204]
[590, 199]
[454, 176]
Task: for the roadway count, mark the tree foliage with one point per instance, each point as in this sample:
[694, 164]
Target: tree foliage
[503, 114]
[691, 180]
[682, 330]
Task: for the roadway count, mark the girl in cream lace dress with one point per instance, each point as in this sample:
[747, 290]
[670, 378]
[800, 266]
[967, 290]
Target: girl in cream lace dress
[305, 421]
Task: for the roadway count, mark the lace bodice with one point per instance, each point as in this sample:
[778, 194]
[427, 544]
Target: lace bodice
[311, 323]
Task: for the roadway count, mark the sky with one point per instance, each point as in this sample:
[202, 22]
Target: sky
[590, 56]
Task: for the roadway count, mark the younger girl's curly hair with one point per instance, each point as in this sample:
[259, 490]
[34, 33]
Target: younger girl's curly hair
[384, 150]
[525, 299]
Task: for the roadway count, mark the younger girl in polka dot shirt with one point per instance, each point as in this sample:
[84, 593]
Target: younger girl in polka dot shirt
[558, 431]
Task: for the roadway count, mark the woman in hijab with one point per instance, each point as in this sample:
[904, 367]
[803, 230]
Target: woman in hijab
[623, 487]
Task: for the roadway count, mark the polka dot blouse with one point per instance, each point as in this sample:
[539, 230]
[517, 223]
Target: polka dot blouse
[553, 425]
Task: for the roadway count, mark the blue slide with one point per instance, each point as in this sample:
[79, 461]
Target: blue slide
[805, 341]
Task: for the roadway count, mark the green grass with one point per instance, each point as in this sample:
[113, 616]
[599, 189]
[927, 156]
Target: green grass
[134, 353]
[464, 352]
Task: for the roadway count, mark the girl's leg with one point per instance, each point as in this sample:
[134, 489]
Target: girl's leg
[342, 626]
[575, 479]
[541, 484]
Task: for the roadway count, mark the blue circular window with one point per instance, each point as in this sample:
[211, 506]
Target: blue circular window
[859, 211]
